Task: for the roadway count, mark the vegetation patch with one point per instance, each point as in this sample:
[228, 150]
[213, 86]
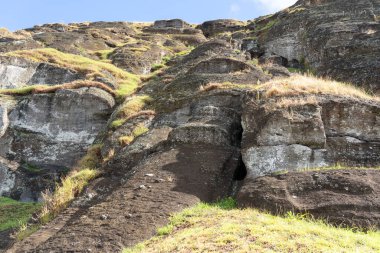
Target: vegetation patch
[13, 214]
[308, 85]
[43, 89]
[140, 129]
[131, 108]
[223, 228]
[267, 26]
[104, 55]
[69, 188]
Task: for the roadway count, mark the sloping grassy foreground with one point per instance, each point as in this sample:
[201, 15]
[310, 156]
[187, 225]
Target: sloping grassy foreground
[223, 228]
[14, 213]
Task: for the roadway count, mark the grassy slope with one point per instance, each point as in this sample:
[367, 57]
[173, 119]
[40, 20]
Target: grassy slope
[223, 228]
[14, 213]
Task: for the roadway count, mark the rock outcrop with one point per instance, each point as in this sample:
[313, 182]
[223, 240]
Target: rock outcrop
[16, 72]
[332, 38]
[213, 27]
[343, 197]
[50, 132]
[173, 23]
[310, 136]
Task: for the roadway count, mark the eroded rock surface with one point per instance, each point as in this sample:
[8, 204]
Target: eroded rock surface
[213, 27]
[343, 197]
[310, 135]
[50, 132]
[335, 38]
[17, 72]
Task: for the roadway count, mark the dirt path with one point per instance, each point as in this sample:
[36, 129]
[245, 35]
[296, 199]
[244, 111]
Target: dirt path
[129, 207]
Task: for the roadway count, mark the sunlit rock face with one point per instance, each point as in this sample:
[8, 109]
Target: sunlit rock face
[54, 130]
[334, 38]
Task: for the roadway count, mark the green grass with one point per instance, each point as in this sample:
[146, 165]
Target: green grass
[103, 54]
[157, 66]
[223, 228]
[267, 26]
[14, 214]
[32, 168]
[131, 107]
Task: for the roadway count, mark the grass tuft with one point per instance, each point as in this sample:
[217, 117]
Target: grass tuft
[132, 108]
[140, 129]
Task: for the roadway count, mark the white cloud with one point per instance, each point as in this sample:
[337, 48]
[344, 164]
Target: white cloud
[274, 5]
[234, 8]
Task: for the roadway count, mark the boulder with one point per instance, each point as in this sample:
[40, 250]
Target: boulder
[343, 197]
[173, 23]
[277, 71]
[213, 27]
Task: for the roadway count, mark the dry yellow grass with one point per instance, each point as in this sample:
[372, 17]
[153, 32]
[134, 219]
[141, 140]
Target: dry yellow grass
[308, 85]
[298, 85]
[127, 82]
[38, 89]
[71, 185]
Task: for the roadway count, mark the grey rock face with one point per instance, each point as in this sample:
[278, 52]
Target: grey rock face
[54, 130]
[7, 178]
[49, 74]
[220, 66]
[17, 72]
[213, 27]
[336, 38]
[4, 121]
[343, 197]
[173, 23]
[138, 62]
[310, 136]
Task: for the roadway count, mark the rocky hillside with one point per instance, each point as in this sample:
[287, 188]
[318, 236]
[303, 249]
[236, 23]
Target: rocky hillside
[114, 126]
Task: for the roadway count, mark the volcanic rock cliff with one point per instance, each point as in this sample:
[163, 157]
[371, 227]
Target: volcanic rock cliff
[169, 114]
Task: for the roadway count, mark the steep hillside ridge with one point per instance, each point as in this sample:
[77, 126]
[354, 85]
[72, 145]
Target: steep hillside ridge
[202, 143]
[213, 113]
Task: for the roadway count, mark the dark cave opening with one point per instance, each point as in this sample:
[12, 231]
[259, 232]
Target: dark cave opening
[241, 171]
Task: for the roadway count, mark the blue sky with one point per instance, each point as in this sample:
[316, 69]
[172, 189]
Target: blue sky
[18, 14]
